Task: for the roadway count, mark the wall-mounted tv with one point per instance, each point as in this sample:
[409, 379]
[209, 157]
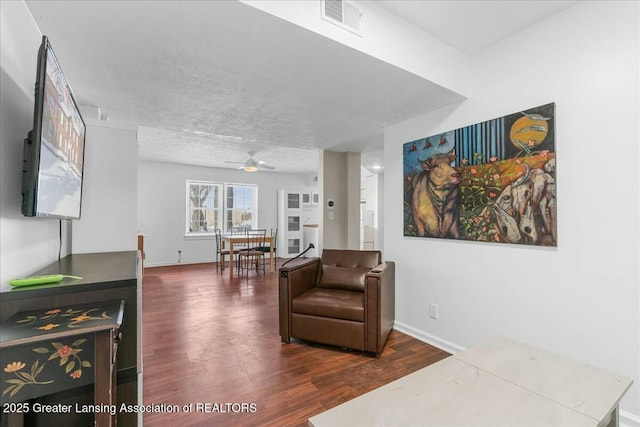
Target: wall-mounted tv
[54, 148]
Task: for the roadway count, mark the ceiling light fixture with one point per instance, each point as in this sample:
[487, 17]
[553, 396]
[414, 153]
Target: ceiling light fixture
[250, 168]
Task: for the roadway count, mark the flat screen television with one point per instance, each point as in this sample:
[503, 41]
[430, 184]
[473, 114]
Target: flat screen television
[54, 149]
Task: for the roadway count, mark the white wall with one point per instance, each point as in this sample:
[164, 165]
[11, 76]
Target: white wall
[580, 299]
[383, 36]
[108, 221]
[26, 244]
[162, 209]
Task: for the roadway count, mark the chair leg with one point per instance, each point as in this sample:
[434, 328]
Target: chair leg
[242, 260]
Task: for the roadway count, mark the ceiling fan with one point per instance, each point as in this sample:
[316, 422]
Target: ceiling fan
[252, 164]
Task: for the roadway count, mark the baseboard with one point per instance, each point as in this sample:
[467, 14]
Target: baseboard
[151, 264]
[437, 342]
[627, 419]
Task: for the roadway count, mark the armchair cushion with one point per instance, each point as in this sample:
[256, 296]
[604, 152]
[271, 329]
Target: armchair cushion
[334, 303]
[347, 270]
[348, 279]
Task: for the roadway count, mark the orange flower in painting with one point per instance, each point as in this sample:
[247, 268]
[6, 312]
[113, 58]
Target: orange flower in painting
[65, 351]
[76, 374]
[49, 327]
[56, 311]
[14, 367]
[474, 171]
[544, 153]
[81, 318]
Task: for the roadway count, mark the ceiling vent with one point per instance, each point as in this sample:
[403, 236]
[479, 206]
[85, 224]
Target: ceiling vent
[343, 14]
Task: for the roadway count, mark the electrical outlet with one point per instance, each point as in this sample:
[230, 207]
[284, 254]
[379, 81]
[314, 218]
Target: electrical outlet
[433, 311]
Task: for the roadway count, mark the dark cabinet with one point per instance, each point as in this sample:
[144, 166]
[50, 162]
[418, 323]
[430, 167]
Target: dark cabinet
[105, 277]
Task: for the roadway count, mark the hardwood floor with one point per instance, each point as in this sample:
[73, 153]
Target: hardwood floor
[211, 340]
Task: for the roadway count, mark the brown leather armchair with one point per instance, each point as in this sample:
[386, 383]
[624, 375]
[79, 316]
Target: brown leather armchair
[346, 299]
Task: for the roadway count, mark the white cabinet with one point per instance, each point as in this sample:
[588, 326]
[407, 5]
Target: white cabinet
[310, 198]
[290, 236]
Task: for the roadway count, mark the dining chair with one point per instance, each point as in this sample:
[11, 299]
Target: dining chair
[253, 257]
[239, 232]
[267, 248]
[221, 253]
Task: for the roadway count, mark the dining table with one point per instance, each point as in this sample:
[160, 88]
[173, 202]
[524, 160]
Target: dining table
[231, 240]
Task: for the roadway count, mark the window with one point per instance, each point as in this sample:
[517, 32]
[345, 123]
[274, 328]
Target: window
[204, 207]
[212, 205]
[241, 206]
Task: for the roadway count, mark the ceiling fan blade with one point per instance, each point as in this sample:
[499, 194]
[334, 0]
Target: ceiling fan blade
[252, 162]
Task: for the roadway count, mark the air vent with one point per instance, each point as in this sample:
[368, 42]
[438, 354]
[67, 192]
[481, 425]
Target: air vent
[333, 10]
[343, 14]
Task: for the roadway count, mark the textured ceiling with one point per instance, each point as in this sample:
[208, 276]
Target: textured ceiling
[208, 81]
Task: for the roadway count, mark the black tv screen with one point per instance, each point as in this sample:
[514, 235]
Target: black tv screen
[54, 148]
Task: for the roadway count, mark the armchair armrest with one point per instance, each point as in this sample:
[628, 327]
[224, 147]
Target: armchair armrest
[299, 276]
[294, 279]
[385, 271]
[380, 305]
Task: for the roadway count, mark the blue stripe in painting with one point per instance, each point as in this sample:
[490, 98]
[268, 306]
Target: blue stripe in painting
[456, 143]
[494, 146]
[465, 143]
[478, 142]
[502, 141]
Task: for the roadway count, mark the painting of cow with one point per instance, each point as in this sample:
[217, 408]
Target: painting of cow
[435, 198]
[494, 181]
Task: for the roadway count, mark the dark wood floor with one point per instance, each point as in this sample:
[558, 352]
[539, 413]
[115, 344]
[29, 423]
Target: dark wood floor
[212, 340]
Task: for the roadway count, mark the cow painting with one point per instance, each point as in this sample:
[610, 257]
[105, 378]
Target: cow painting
[435, 198]
[494, 181]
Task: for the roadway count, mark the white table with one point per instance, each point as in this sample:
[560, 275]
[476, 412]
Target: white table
[498, 383]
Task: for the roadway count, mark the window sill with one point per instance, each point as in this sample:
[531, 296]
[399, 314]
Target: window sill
[200, 236]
